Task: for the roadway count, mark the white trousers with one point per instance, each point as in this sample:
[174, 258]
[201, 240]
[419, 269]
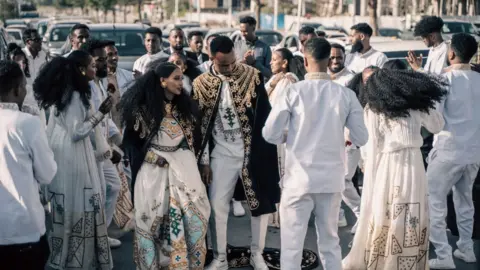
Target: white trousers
[113, 183]
[295, 211]
[350, 195]
[226, 171]
[442, 177]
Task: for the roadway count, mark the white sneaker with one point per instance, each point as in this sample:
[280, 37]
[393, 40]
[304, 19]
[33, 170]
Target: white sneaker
[238, 209]
[467, 256]
[257, 262]
[217, 265]
[114, 243]
[354, 228]
[342, 221]
[446, 263]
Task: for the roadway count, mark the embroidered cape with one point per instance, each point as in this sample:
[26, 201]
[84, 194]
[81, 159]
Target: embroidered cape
[260, 168]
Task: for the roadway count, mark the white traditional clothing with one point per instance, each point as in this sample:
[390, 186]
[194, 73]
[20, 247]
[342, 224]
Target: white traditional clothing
[26, 161]
[79, 232]
[437, 59]
[455, 159]
[357, 62]
[394, 209]
[141, 63]
[343, 77]
[315, 110]
[205, 66]
[34, 64]
[275, 96]
[171, 205]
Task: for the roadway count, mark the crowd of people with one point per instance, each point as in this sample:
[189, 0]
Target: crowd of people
[168, 149]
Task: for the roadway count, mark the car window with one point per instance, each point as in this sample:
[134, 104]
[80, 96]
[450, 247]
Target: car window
[401, 55]
[291, 42]
[271, 39]
[128, 42]
[15, 35]
[458, 27]
[59, 33]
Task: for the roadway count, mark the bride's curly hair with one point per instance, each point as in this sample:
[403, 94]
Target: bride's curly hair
[394, 93]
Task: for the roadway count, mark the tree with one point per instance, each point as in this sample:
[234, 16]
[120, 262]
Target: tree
[372, 11]
[258, 9]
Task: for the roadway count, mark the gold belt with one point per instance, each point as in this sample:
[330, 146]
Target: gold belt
[155, 159]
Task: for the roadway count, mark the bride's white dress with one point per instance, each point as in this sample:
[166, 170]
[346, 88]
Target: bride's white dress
[393, 225]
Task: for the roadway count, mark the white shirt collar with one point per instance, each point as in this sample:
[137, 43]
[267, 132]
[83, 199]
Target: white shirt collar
[338, 74]
[437, 47]
[9, 106]
[317, 76]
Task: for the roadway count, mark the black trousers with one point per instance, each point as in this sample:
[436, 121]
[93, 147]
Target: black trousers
[29, 256]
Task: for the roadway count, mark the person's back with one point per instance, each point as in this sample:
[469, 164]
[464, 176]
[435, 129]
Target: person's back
[460, 137]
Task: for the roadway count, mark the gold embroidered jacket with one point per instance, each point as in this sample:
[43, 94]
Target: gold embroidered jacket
[260, 167]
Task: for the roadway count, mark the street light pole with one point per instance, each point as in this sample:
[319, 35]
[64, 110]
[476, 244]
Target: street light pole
[299, 14]
[229, 13]
[198, 11]
[275, 15]
[176, 11]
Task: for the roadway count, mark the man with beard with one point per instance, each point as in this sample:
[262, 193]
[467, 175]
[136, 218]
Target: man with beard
[195, 40]
[362, 54]
[176, 38]
[111, 187]
[336, 67]
[79, 35]
[305, 34]
[153, 45]
[252, 51]
[33, 50]
[430, 29]
[234, 106]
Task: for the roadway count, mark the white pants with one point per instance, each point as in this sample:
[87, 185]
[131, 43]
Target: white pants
[295, 211]
[113, 184]
[442, 177]
[226, 171]
[350, 195]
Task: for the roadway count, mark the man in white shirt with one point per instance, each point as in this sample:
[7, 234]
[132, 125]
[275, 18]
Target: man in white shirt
[362, 54]
[455, 158]
[342, 76]
[430, 29]
[26, 161]
[79, 35]
[99, 86]
[234, 106]
[33, 50]
[315, 112]
[153, 45]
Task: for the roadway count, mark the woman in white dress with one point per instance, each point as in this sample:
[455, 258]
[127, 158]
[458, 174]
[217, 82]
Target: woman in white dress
[287, 70]
[78, 238]
[171, 204]
[394, 208]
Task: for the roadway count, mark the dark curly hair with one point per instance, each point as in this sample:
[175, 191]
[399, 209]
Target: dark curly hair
[146, 95]
[394, 93]
[395, 64]
[15, 50]
[428, 25]
[11, 76]
[295, 66]
[363, 28]
[464, 45]
[58, 79]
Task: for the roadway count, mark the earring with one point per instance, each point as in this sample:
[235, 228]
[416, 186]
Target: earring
[83, 73]
[164, 84]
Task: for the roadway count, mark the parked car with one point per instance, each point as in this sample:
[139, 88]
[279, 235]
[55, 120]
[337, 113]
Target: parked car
[221, 31]
[316, 25]
[451, 27]
[3, 43]
[399, 49]
[16, 36]
[56, 34]
[21, 27]
[291, 42]
[390, 32]
[14, 21]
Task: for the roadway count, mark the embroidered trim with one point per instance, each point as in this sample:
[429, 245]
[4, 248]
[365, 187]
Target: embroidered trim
[162, 148]
[317, 76]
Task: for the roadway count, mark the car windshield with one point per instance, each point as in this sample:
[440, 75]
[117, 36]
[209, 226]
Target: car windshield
[15, 35]
[401, 55]
[129, 42]
[271, 39]
[60, 33]
[458, 27]
[389, 32]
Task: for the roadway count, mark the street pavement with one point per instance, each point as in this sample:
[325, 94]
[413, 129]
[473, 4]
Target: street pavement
[239, 229]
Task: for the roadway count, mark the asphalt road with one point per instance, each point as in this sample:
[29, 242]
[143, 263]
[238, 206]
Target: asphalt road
[239, 229]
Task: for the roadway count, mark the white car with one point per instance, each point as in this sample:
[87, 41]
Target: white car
[291, 41]
[16, 36]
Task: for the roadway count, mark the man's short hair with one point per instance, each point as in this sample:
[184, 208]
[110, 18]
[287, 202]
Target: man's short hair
[194, 34]
[321, 33]
[249, 20]
[363, 28]
[154, 31]
[464, 45]
[318, 48]
[175, 29]
[10, 73]
[307, 30]
[428, 25]
[79, 26]
[94, 44]
[338, 46]
[221, 44]
[29, 34]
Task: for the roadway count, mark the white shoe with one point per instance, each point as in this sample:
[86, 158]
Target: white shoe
[114, 243]
[350, 244]
[354, 228]
[257, 262]
[342, 221]
[446, 263]
[217, 265]
[238, 209]
[467, 256]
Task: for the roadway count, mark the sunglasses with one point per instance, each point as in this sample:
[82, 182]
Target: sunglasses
[36, 39]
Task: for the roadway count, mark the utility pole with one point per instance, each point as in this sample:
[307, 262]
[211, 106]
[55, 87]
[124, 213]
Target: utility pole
[198, 11]
[176, 11]
[275, 15]
[229, 13]
[299, 14]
